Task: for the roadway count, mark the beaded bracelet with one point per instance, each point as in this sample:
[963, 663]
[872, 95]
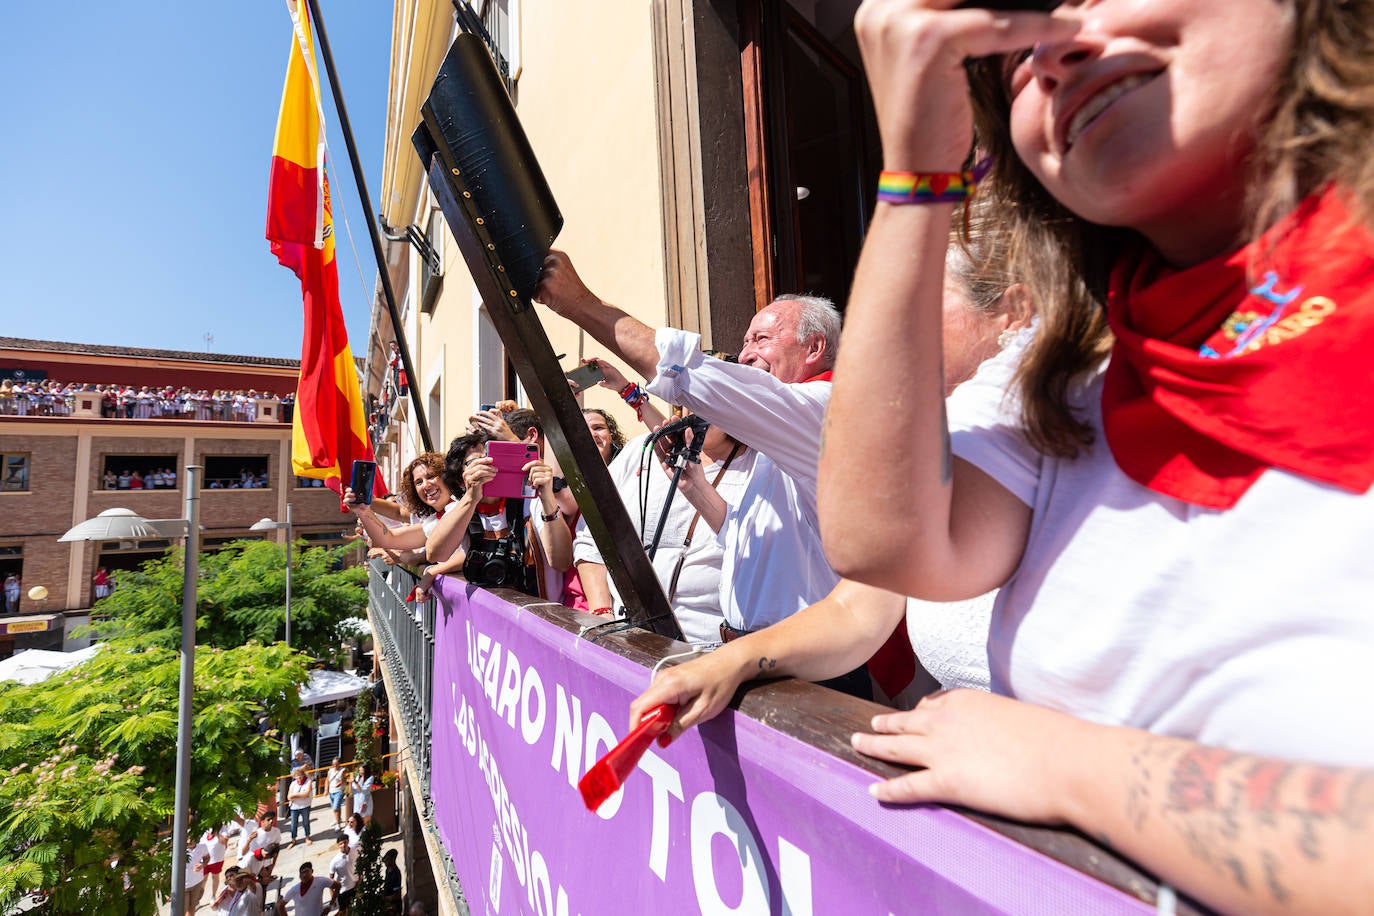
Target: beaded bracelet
[930, 187]
[636, 397]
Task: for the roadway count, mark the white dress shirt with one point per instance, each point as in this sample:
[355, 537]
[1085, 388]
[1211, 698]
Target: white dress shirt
[774, 564]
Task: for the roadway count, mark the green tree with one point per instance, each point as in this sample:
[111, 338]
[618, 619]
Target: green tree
[242, 597]
[88, 763]
[370, 899]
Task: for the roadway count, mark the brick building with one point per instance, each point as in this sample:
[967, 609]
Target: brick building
[52, 471]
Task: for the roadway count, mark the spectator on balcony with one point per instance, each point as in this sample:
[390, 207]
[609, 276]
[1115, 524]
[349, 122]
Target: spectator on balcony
[774, 565]
[109, 480]
[135, 480]
[102, 582]
[6, 397]
[124, 480]
[398, 370]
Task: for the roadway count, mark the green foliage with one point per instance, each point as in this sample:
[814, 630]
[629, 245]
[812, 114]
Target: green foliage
[88, 764]
[366, 746]
[242, 597]
[370, 899]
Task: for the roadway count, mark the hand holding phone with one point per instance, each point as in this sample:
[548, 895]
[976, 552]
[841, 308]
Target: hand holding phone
[584, 377]
[364, 472]
[510, 459]
[1040, 6]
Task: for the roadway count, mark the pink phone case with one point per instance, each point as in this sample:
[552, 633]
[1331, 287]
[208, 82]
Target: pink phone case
[510, 458]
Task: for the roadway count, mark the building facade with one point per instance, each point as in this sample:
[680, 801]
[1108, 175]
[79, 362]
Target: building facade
[63, 464]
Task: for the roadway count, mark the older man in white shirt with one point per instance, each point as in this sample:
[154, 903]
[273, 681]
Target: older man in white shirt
[774, 564]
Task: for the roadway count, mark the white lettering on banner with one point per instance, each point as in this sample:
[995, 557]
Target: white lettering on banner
[712, 815]
[532, 728]
[512, 690]
[664, 781]
[794, 873]
[567, 734]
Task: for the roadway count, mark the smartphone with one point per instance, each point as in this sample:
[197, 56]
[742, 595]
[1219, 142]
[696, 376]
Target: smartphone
[586, 376]
[485, 407]
[363, 474]
[1042, 6]
[510, 459]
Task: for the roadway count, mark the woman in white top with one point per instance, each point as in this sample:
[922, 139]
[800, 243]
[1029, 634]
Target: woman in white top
[362, 793]
[336, 783]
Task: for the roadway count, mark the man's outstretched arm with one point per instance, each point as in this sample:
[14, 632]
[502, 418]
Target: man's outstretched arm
[562, 290]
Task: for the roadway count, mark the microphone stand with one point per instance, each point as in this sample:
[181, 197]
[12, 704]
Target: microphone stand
[679, 458]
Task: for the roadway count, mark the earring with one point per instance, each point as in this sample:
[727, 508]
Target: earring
[1006, 337]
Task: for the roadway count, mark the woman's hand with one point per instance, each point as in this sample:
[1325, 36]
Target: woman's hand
[540, 476]
[478, 473]
[422, 587]
[982, 751]
[914, 52]
[700, 689]
[350, 501]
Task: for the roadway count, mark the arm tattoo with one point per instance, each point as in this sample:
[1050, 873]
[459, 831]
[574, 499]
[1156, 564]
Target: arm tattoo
[767, 664]
[1246, 817]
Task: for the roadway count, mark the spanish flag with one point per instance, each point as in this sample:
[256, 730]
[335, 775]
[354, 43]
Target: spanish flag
[328, 430]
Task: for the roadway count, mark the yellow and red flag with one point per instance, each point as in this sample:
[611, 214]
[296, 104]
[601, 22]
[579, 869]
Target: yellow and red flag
[329, 429]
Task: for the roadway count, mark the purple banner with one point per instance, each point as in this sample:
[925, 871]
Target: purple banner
[734, 817]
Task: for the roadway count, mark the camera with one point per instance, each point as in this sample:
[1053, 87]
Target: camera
[494, 564]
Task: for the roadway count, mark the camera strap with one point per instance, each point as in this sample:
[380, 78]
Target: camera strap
[687, 538]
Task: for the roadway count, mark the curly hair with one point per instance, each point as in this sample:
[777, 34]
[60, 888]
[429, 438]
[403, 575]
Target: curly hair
[617, 434]
[1315, 133]
[410, 498]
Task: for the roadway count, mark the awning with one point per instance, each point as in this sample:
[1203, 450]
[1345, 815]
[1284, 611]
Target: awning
[328, 686]
[35, 665]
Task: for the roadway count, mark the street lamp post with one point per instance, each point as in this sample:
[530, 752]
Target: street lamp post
[122, 524]
[267, 524]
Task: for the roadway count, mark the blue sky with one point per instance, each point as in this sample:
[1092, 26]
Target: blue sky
[135, 139]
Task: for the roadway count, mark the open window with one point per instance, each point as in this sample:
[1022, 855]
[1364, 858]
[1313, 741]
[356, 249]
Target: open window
[138, 472]
[235, 472]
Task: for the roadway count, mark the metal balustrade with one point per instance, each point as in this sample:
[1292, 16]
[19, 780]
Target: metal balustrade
[404, 634]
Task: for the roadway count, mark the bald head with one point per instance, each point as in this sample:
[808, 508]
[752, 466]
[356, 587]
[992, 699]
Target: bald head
[794, 338]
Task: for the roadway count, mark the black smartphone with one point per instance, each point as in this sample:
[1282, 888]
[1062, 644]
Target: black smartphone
[363, 474]
[1039, 6]
[586, 376]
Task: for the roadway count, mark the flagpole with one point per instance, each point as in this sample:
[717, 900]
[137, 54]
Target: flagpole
[361, 184]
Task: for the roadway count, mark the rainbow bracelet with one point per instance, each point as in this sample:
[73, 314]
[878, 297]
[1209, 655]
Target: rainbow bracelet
[930, 187]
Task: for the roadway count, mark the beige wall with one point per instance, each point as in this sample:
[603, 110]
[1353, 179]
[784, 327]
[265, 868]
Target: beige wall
[585, 96]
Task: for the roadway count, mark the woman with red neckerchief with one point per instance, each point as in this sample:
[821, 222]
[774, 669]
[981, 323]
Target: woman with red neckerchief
[1175, 500]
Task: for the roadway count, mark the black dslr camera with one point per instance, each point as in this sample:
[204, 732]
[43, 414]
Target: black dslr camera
[495, 564]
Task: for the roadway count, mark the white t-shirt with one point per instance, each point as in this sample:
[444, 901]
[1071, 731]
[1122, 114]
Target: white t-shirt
[773, 563]
[1248, 628]
[308, 902]
[341, 868]
[950, 639]
[215, 844]
[696, 603]
[195, 864]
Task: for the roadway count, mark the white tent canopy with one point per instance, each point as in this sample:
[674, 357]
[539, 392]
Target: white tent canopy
[328, 686]
[33, 666]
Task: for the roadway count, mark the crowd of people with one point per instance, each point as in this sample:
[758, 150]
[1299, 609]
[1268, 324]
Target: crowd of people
[1093, 444]
[52, 398]
[242, 855]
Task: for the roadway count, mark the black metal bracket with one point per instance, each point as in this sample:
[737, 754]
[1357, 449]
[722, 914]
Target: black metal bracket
[502, 214]
[415, 237]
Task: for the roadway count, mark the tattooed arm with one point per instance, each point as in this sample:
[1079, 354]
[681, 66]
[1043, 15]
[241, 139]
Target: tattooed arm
[1239, 832]
[832, 636]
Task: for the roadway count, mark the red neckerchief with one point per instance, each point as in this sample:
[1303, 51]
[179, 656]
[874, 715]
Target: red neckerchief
[1213, 379]
[492, 508]
[439, 512]
[823, 377]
